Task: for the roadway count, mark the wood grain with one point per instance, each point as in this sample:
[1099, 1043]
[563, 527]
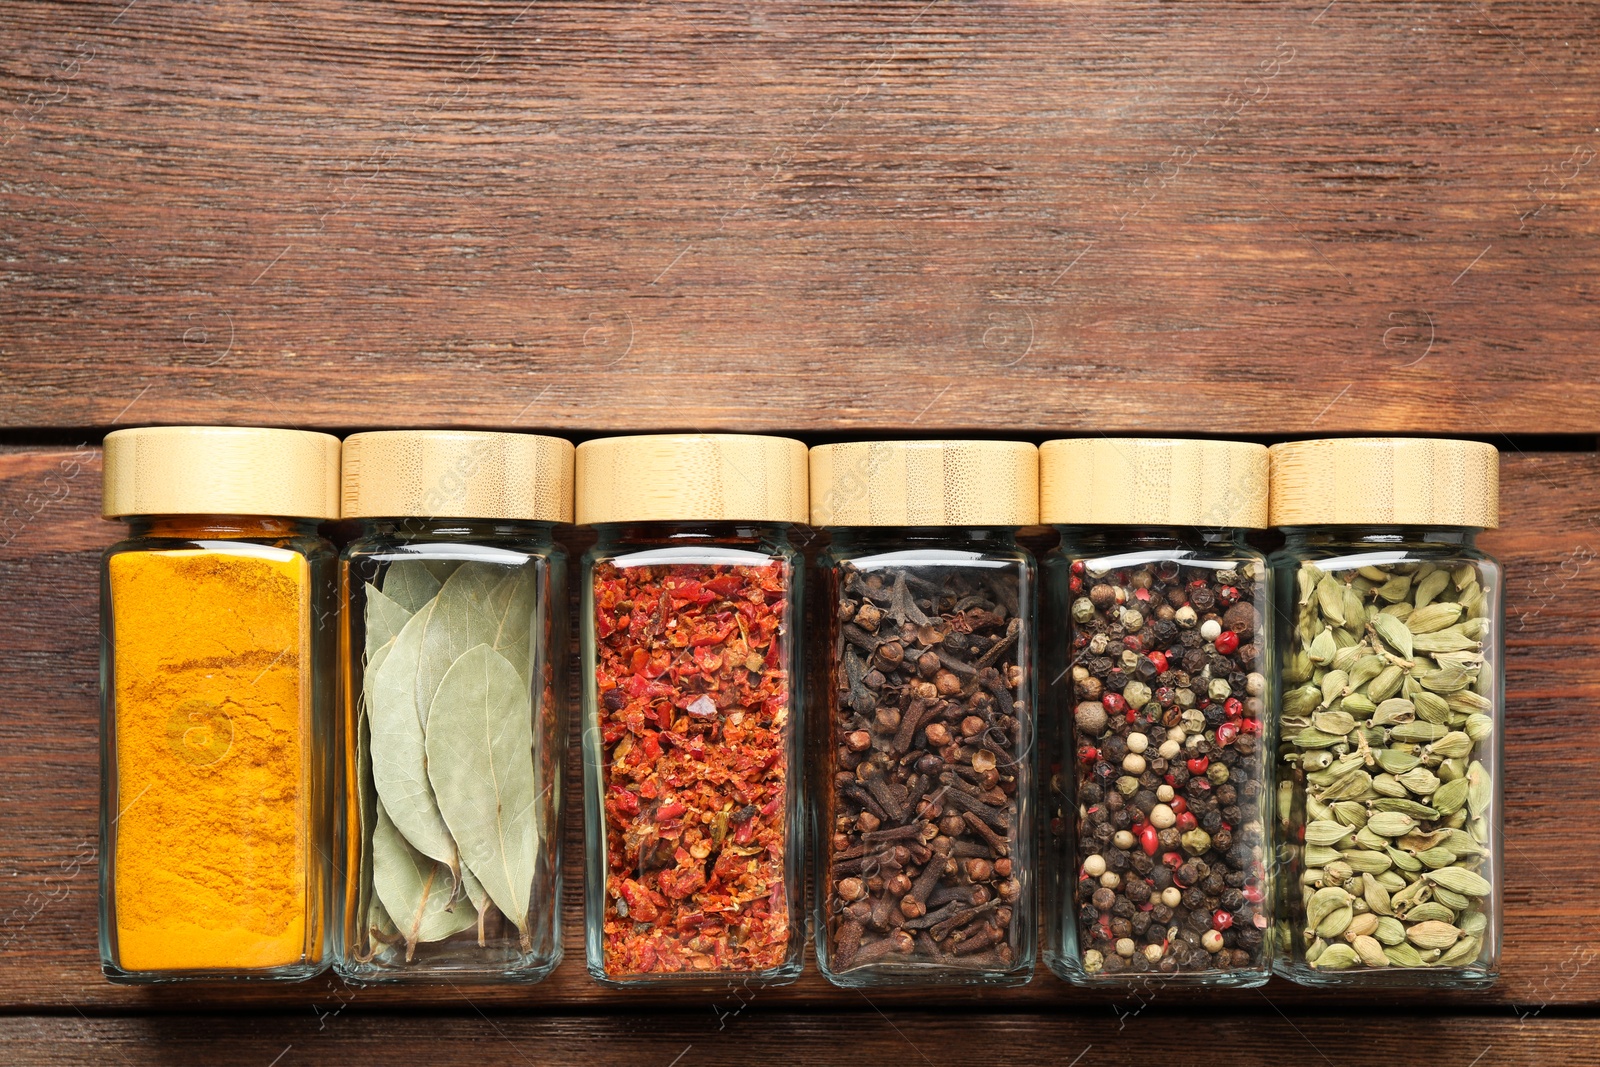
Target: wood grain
[50, 539]
[981, 217]
[1263, 1038]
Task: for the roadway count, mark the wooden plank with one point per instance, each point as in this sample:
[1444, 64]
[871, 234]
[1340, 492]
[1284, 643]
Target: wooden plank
[987, 217]
[49, 776]
[1262, 1038]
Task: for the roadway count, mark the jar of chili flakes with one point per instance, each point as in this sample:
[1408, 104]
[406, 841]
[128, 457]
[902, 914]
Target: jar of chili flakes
[1159, 700]
[692, 750]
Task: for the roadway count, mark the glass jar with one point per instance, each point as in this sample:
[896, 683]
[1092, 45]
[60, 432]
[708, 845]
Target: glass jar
[1159, 694]
[454, 733]
[692, 761]
[924, 748]
[217, 680]
[1391, 645]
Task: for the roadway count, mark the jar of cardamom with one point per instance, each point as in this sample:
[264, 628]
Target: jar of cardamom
[693, 777]
[1157, 697]
[924, 807]
[454, 732]
[1389, 800]
[218, 671]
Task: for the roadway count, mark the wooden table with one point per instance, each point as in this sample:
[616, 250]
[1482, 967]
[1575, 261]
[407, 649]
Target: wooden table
[833, 220]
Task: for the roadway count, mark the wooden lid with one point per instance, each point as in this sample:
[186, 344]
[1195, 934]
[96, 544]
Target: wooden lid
[459, 474]
[1130, 481]
[691, 477]
[925, 483]
[1386, 481]
[221, 470]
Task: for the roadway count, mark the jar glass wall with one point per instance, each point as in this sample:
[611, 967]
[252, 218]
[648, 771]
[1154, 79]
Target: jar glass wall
[1160, 756]
[924, 818]
[693, 789]
[454, 739]
[1389, 756]
[217, 678]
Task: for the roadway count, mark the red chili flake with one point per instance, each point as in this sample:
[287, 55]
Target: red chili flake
[694, 721]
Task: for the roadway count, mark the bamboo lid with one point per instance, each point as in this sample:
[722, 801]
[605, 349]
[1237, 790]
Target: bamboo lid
[692, 477]
[1386, 481]
[925, 483]
[1129, 481]
[221, 470]
[459, 474]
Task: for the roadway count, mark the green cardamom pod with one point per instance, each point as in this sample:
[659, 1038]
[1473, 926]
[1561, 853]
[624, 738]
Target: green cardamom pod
[1463, 574]
[1394, 711]
[1419, 780]
[1326, 833]
[1395, 588]
[1461, 953]
[1448, 679]
[1302, 700]
[1460, 880]
[1345, 658]
[1319, 855]
[1325, 902]
[1467, 702]
[1449, 640]
[1390, 931]
[1429, 587]
[1430, 912]
[1426, 620]
[1336, 922]
[1323, 648]
[1368, 861]
[1397, 760]
[1389, 786]
[1391, 823]
[1373, 574]
[1386, 684]
[1370, 951]
[1357, 705]
[1473, 923]
[1479, 726]
[1351, 813]
[1449, 797]
[1394, 634]
[1452, 745]
[1478, 790]
[1333, 685]
[1404, 860]
[1375, 895]
[1431, 706]
[1405, 806]
[1339, 723]
[1436, 857]
[1366, 668]
[1417, 732]
[1403, 955]
[1336, 957]
[1330, 599]
[1456, 902]
[1432, 934]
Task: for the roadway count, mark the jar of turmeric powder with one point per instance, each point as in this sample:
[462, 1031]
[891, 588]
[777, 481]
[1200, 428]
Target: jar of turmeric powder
[217, 688]
[453, 732]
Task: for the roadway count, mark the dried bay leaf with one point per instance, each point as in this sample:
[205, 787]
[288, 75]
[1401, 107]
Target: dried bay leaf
[410, 584]
[480, 762]
[459, 619]
[416, 892]
[399, 755]
[384, 619]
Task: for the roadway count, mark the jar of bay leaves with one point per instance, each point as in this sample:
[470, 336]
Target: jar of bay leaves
[454, 731]
[924, 758]
[1390, 722]
[1158, 691]
[693, 788]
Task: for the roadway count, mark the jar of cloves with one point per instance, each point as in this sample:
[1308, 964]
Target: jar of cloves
[454, 732]
[693, 791]
[924, 741]
[1389, 728]
[1157, 702]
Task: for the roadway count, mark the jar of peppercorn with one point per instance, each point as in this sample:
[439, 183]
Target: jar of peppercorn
[924, 812]
[692, 747]
[1158, 701]
[1391, 641]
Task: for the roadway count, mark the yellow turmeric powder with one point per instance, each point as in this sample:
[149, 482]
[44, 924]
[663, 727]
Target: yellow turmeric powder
[213, 795]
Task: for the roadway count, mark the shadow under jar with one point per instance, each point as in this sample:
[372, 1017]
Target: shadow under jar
[454, 733]
[1160, 751]
[217, 682]
[1391, 717]
[924, 807]
[690, 655]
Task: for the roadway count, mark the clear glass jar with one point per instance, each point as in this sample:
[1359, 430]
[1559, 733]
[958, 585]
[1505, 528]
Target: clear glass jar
[478, 610]
[691, 644]
[1159, 698]
[1389, 738]
[217, 684]
[454, 731]
[925, 831]
[1160, 786]
[692, 753]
